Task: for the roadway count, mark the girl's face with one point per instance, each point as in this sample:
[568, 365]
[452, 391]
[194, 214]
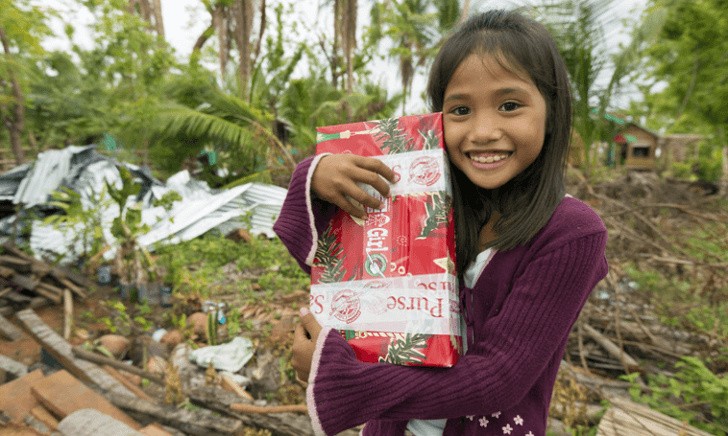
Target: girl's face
[494, 121]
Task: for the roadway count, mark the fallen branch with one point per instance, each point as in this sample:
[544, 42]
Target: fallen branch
[103, 360]
[250, 408]
[628, 361]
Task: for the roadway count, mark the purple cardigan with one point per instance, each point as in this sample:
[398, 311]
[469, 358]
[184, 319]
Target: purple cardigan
[519, 315]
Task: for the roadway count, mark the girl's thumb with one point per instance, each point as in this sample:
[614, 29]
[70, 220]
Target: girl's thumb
[308, 320]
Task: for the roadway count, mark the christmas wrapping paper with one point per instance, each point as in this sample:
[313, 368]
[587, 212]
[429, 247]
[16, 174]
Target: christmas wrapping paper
[388, 283]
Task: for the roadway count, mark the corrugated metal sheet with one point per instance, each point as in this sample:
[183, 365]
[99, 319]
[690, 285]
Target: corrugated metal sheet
[48, 172]
[254, 206]
[10, 181]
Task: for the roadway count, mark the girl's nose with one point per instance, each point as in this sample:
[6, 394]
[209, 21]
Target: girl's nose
[487, 128]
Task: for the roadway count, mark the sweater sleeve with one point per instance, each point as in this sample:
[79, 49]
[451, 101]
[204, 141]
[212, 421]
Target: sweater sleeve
[303, 217]
[498, 370]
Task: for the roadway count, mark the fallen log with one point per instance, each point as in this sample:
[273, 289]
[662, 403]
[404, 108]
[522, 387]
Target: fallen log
[630, 364]
[220, 400]
[626, 417]
[61, 350]
[103, 360]
[8, 330]
[200, 422]
[251, 408]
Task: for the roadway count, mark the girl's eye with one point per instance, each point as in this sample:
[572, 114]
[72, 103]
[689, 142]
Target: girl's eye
[460, 110]
[509, 106]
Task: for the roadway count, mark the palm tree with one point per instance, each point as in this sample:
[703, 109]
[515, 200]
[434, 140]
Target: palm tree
[596, 74]
[345, 21]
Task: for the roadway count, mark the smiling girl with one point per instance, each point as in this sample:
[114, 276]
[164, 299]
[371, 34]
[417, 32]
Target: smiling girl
[527, 254]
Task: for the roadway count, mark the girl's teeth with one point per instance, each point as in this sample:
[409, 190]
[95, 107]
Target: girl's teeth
[488, 159]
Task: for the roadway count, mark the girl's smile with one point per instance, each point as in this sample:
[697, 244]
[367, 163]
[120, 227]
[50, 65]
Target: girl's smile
[494, 121]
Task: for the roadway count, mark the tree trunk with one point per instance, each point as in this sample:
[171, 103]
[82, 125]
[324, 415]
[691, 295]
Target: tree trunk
[14, 122]
[158, 19]
[345, 35]
[221, 25]
[465, 12]
[244, 12]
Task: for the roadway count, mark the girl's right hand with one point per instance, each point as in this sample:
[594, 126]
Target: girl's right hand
[336, 176]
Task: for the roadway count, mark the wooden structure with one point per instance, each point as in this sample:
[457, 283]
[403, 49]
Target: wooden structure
[637, 147]
[626, 417]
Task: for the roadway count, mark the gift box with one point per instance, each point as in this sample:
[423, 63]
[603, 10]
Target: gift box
[388, 283]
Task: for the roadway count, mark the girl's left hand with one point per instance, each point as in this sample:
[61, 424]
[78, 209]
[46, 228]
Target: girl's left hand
[304, 343]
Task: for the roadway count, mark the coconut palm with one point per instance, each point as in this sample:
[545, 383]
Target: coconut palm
[583, 30]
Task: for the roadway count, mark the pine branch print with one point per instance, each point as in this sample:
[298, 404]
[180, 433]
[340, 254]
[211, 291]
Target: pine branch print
[408, 350]
[436, 213]
[394, 140]
[330, 254]
[430, 140]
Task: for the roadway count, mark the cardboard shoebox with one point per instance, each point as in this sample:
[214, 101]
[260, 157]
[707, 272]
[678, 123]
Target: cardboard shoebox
[388, 283]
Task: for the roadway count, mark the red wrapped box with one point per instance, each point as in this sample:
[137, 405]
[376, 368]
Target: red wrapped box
[389, 283]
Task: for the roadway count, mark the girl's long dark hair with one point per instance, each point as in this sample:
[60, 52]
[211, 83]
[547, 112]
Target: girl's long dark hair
[528, 200]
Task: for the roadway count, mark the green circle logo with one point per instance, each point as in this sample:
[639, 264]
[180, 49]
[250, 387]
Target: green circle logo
[375, 265]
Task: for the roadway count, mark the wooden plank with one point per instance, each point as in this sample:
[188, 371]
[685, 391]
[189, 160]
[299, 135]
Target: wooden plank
[6, 272]
[16, 264]
[154, 430]
[57, 347]
[74, 288]
[63, 394]
[16, 399]
[43, 415]
[103, 360]
[219, 400]
[15, 368]
[200, 422]
[27, 282]
[129, 385]
[90, 422]
[49, 294]
[8, 330]
[625, 417]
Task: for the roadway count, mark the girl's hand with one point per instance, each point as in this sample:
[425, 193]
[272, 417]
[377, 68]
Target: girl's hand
[304, 343]
[336, 176]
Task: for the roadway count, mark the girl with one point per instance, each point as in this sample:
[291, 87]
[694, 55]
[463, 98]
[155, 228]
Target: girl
[528, 255]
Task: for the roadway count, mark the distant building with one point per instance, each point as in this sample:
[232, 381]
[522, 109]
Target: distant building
[637, 147]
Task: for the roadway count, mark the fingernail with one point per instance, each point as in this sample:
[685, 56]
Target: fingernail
[304, 311]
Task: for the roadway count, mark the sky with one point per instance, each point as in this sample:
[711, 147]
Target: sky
[184, 21]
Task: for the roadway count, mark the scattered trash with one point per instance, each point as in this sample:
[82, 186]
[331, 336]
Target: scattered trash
[230, 357]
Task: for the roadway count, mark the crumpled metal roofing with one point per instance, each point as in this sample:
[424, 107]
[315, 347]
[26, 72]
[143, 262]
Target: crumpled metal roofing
[253, 206]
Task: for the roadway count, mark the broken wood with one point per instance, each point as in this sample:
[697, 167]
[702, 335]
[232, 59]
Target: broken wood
[63, 394]
[200, 422]
[12, 367]
[251, 408]
[227, 383]
[16, 398]
[129, 385]
[91, 422]
[8, 330]
[103, 360]
[626, 417]
[613, 349]
[43, 415]
[219, 400]
[67, 314]
[61, 350]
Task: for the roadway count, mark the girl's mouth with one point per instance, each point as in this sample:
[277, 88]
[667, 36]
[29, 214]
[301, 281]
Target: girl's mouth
[489, 158]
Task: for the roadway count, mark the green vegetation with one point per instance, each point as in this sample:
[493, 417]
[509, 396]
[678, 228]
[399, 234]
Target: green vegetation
[693, 394]
[213, 265]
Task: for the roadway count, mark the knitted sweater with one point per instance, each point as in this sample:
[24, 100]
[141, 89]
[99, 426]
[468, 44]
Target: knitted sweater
[519, 315]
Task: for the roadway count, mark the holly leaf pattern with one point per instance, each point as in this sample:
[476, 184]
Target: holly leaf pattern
[407, 350]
